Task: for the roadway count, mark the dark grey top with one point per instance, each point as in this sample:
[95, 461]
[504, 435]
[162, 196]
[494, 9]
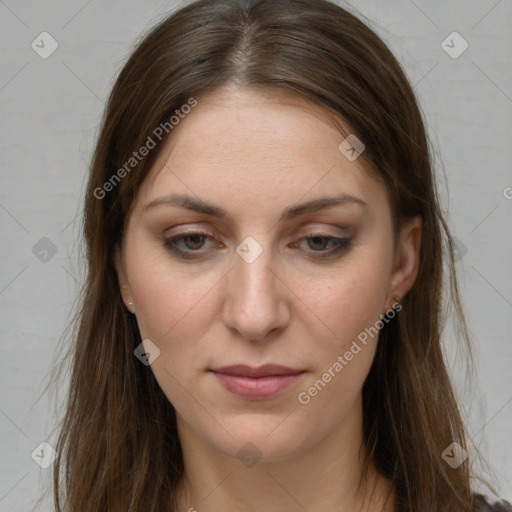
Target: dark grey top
[486, 505]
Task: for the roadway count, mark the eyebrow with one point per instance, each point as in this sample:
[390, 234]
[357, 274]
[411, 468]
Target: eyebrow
[200, 206]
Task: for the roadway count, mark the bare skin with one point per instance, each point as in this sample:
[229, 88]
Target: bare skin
[254, 156]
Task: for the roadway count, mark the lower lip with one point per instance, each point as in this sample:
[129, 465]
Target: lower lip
[257, 388]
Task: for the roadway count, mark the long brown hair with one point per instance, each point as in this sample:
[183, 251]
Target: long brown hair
[118, 446]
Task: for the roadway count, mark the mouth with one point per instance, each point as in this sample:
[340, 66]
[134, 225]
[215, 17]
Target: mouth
[259, 383]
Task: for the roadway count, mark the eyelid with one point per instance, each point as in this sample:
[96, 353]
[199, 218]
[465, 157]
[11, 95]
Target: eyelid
[193, 230]
[340, 232]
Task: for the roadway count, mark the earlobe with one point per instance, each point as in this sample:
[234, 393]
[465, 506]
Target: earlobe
[407, 257]
[123, 282]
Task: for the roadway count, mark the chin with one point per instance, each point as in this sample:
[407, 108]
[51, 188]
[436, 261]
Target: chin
[262, 438]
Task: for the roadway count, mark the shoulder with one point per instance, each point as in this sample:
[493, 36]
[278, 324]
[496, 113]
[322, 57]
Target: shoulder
[483, 504]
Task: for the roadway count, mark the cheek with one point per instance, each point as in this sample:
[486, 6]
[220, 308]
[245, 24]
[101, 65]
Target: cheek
[350, 307]
[171, 303]
[175, 311]
[349, 301]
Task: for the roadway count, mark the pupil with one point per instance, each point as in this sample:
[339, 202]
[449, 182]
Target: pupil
[318, 240]
[196, 240]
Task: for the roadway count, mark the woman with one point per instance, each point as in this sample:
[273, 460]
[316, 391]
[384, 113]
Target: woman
[260, 327]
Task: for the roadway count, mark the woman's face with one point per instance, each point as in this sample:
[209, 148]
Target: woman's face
[230, 259]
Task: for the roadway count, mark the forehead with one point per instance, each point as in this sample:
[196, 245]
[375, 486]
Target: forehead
[250, 144]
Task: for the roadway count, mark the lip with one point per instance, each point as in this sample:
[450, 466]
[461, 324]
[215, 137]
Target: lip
[259, 383]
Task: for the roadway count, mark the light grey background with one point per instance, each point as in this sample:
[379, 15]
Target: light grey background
[51, 109]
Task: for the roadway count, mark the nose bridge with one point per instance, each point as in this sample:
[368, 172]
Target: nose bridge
[254, 280]
[253, 261]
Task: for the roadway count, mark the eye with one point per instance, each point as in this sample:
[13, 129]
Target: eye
[318, 244]
[184, 246]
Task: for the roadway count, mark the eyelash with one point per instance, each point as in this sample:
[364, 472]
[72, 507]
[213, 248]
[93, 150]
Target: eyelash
[341, 244]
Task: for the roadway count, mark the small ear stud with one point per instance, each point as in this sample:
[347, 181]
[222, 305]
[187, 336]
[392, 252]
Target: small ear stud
[396, 304]
[132, 307]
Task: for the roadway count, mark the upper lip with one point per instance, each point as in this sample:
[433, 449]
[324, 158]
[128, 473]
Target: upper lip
[260, 371]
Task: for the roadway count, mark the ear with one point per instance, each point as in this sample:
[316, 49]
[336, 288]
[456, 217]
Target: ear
[123, 281]
[407, 257]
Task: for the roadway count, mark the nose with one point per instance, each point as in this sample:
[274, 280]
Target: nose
[256, 298]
